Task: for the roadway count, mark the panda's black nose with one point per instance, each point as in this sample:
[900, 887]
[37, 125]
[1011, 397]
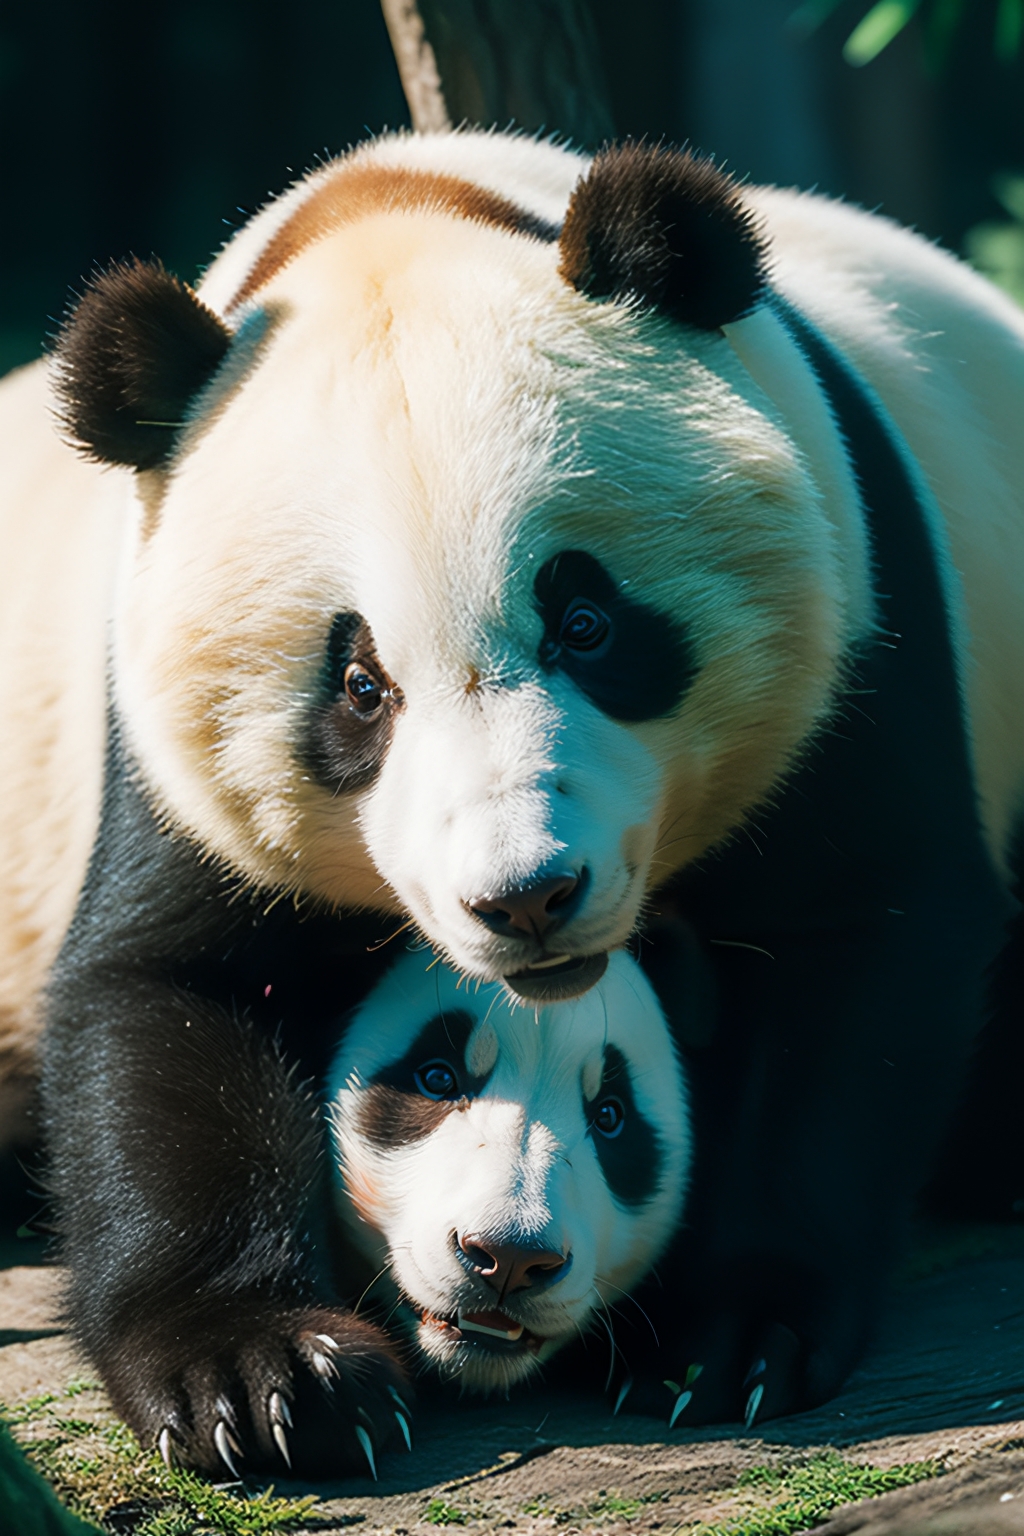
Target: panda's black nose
[534, 909]
[510, 1266]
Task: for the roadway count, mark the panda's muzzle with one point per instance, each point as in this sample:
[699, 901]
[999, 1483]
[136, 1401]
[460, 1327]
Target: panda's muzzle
[537, 910]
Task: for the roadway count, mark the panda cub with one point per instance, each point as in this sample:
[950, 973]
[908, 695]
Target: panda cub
[513, 1169]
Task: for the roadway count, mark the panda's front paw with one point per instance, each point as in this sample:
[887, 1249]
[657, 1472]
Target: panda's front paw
[741, 1367]
[315, 1392]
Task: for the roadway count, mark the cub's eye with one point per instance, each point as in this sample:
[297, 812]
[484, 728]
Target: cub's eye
[584, 626]
[364, 691]
[436, 1080]
[609, 1117]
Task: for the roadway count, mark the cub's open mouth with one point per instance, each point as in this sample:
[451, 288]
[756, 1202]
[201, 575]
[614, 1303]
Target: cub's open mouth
[557, 977]
[493, 1332]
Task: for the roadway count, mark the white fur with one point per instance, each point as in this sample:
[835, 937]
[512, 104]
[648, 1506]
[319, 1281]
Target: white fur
[519, 1158]
[434, 413]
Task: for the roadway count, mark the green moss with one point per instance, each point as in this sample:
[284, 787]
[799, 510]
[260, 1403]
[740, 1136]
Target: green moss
[797, 1496]
[97, 1467]
[440, 1513]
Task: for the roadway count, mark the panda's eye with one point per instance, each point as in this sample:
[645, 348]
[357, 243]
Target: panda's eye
[436, 1080]
[609, 1117]
[584, 626]
[365, 692]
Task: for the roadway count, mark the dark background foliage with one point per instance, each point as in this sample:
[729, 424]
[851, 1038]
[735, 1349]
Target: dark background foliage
[153, 129]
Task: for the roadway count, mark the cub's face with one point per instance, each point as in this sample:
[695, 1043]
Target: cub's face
[514, 1170]
[462, 593]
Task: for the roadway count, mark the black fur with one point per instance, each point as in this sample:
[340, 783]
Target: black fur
[631, 1161]
[668, 228]
[394, 1111]
[644, 665]
[341, 749]
[186, 1155]
[850, 936]
[131, 358]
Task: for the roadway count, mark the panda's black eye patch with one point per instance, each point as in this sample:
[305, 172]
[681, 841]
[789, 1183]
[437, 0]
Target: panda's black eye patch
[349, 723]
[632, 661]
[408, 1098]
[626, 1144]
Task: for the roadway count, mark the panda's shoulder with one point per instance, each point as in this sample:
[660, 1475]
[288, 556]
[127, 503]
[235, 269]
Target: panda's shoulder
[848, 267]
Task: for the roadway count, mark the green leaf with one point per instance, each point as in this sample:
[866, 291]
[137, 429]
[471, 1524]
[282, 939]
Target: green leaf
[877, 29]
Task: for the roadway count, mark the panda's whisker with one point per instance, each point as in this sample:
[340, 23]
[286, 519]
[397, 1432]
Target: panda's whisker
[627, 1297]
[367, 1289]
[371, 949]
[602, 1316]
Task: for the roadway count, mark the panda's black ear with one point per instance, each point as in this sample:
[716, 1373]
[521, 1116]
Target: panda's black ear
[131, 356]
[667, 228]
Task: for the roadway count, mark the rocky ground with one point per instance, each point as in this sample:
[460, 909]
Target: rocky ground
[939, 1405]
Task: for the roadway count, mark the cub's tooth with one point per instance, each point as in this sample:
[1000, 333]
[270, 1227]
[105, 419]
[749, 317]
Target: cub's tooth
[512, 1334]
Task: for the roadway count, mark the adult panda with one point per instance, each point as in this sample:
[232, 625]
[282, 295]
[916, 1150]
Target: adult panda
[506, 1172]
[496, 538]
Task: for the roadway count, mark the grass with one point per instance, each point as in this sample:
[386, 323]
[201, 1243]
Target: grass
[102, 1474]
[440, 1513]
[798, 1496]
[99, 1470]
[766, 1501]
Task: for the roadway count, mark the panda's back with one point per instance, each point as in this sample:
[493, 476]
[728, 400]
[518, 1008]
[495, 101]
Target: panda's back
[944, 352]
[58, 532]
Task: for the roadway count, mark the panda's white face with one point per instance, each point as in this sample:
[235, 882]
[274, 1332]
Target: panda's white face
[514, 1170]
[474, 599]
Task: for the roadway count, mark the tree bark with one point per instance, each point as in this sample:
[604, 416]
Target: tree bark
[531, 64]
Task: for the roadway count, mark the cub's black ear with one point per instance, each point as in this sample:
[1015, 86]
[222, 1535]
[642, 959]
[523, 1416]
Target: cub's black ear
[131, 356]
[668, 228]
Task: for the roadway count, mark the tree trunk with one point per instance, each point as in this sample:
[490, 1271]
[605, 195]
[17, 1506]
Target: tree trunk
[531, 64]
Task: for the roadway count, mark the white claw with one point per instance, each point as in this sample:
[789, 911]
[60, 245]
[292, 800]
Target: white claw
[277, 1407]
[326, 1340]
[226, 1444]
[624, 1391]
[680, 1403]
[281, 1441]
[164, 1447]
[404, 1427]
[324, 1367]
[404, 1406]
[367, 1445]
[753, 1404]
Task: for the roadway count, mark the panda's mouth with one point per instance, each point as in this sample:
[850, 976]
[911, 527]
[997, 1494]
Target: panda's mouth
[557, 977]
[490, 1332]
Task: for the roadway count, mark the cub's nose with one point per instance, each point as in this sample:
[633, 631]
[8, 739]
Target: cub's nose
[535, 909]
[511, 1266]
